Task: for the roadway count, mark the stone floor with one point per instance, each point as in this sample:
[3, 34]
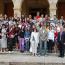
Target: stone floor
[28, 59]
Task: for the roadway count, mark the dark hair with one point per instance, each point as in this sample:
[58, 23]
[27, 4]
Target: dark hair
[35, 29]
[3, 24]
[64, 26]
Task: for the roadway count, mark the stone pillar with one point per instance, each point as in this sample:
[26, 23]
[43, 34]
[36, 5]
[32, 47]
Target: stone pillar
[52, 7]
[17, 7]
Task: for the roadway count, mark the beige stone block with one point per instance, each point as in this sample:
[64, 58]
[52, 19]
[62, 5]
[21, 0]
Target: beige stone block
[4, 63]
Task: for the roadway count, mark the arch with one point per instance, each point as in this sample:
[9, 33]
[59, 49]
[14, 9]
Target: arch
[32, 6]
[8, 8]
[61, 8]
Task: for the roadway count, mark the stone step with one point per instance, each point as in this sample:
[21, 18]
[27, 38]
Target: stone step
[27, 53]
[16, 52]
[36, 63]
[4, 63]
[21, 63]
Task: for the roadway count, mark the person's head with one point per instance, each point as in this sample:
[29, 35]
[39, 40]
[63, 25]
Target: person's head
[10, 18]
[46, 16]
[64, 28]
[18, 19]
[1, 17]
[61, 17]
[5, 16]
[34, 18]
[35, 30]
[30, 16]
[55, 28]
[27, 19]
[3, 25]
[50, 28]
[58, 23]
[38, 13]
[41, 24]
[22, 16]
[42, 15]
[33, 26]
[13, 26]
[23, 20]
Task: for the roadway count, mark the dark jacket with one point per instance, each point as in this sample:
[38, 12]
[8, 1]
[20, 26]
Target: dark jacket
[58, 38]
[0, 33]
[63, 37]
[21, 33]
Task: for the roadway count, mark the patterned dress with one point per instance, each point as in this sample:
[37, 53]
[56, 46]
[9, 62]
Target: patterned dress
[3, 39]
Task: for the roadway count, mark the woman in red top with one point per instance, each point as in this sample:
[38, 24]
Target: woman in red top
[38, 15]
[55, 39]
[11, 38]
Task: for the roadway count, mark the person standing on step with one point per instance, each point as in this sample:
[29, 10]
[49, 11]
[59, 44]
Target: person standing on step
[34, 40]
[62, 44]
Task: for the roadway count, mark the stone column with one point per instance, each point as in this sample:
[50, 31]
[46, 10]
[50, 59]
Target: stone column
[52, 7]
[17, 7]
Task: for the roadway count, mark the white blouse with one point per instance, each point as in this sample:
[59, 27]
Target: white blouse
[51, 35]
[34, 35]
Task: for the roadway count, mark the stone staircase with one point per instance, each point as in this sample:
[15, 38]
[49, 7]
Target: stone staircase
[17, 58]
[20, 63]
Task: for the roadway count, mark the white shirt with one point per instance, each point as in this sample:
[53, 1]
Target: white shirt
[51, 35]
[10, 22]
[3, 32]
[41, 19]
[36, 37]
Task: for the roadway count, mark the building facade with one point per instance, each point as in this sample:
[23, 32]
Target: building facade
[19, 7]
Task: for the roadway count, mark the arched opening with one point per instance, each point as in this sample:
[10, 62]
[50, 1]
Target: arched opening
[61, 8]
[32, 6]
[8, 8]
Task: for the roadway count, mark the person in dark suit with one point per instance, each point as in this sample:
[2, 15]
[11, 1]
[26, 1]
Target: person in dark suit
[62, 43]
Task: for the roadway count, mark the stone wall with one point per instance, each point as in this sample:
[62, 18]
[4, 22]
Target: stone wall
[1, 7]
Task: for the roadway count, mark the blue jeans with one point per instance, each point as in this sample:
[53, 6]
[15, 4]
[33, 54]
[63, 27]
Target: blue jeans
[27, 46]
[43, 47]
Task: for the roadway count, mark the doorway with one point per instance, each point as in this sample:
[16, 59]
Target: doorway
[32, 6]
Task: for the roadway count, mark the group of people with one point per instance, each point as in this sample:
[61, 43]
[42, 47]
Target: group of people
[40, 34]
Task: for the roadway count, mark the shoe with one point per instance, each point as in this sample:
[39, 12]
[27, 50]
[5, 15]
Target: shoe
[61, 56]
[9, 51]
[1, 51]
[21, 51]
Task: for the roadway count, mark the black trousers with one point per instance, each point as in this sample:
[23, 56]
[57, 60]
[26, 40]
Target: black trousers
[50, 44]
[11, 43]
[62, 48]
